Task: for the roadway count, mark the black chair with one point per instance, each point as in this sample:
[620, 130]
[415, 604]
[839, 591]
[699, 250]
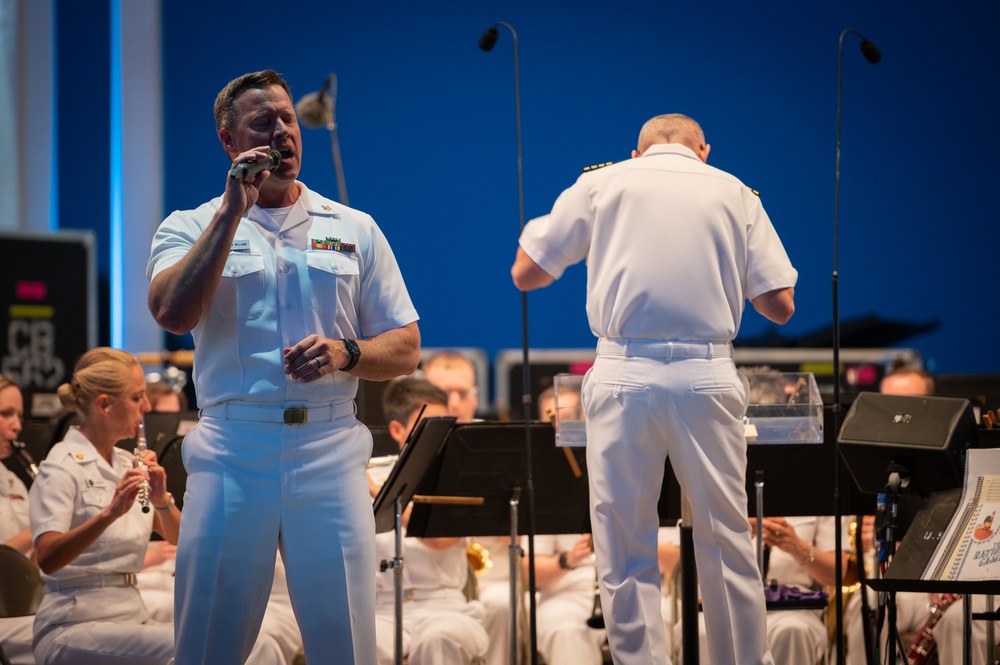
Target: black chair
[22, 590]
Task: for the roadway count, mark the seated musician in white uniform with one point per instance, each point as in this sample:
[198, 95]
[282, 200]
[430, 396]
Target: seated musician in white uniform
[92, 510]
[439, 624]
[565, 578]
[15, 632]
[455, 374]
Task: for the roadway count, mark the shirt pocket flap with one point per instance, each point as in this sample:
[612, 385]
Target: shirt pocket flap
[335, 263]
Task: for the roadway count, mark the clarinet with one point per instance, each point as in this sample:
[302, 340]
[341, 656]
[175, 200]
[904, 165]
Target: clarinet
[924, 646]
[140, 448]
[24, 457]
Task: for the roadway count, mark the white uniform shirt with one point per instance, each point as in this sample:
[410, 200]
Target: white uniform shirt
[659, 220]
[74, 484]
[276, 289]
[579, 580]
[818, 532]
[423, 568]
[13, 505]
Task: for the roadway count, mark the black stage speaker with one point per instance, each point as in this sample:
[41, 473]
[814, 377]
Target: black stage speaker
[924, 438]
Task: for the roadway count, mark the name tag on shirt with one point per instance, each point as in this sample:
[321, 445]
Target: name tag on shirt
[240, 245]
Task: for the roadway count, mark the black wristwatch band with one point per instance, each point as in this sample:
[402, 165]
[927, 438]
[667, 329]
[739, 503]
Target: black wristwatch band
[355, 353]
[563, 563]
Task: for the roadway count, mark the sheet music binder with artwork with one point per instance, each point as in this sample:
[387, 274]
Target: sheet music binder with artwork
[970, 547]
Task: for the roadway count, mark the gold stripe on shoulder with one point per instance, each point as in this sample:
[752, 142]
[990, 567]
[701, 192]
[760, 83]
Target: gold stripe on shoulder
[754, 191]
[587, 169]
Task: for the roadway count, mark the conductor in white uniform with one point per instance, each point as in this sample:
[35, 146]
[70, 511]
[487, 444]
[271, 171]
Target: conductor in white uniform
[673, 248]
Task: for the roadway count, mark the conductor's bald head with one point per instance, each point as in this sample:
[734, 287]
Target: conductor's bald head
[673, 128]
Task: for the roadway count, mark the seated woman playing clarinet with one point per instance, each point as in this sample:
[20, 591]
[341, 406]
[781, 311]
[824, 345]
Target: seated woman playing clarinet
[92, 509]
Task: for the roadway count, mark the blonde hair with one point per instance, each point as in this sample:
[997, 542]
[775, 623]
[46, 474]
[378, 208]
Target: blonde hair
[6, 381]
[448, 360]
[100, 371]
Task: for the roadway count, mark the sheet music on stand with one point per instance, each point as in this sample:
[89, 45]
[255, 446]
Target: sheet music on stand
[970, 547]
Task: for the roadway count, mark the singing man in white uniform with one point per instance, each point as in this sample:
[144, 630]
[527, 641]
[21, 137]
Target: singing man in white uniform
[278, 285]
[673, 248]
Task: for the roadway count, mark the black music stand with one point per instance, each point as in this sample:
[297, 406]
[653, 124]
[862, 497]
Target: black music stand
[486, 460]
[422, 448]
[906, 568]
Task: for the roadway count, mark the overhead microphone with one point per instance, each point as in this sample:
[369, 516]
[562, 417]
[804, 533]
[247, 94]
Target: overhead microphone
[870, 51]
[248, 169]
[489, 39]
[316, 109]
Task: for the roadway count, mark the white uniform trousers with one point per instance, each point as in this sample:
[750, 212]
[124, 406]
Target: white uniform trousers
[949, 633]
[639, 410]
[15, 636]
[911, 613]
[795, 637]
[99, 626]
[495, 598]
[279, 640]
[564, 638]
[435, 632]
[253, 487]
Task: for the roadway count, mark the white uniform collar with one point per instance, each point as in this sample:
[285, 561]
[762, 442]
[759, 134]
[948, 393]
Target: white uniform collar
[670, 149]
[82, 451]
[308, 204]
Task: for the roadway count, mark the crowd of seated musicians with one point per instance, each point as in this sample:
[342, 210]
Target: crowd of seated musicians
[455, 614]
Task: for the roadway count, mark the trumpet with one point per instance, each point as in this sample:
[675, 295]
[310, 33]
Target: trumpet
[140, 448]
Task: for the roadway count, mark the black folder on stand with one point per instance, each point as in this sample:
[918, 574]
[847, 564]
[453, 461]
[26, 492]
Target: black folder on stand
[488, 460]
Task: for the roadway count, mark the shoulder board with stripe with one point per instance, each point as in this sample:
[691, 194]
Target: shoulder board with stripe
[588, 169]
[754, 192]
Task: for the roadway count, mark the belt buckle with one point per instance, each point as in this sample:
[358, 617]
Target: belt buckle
[130, 579]
[296, 416]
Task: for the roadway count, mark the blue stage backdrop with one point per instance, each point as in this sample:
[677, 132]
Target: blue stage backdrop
[427, 133]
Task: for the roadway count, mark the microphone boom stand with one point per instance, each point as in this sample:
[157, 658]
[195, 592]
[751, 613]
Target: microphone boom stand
[486, 43]
[331, 125]
[872, 55]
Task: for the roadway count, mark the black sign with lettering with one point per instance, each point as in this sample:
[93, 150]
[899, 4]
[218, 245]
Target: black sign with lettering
[47, 306]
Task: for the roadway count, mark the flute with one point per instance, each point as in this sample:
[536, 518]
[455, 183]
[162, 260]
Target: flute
[140, 448]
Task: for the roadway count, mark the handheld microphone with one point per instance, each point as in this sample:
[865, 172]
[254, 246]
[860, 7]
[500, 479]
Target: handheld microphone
[248, 169]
